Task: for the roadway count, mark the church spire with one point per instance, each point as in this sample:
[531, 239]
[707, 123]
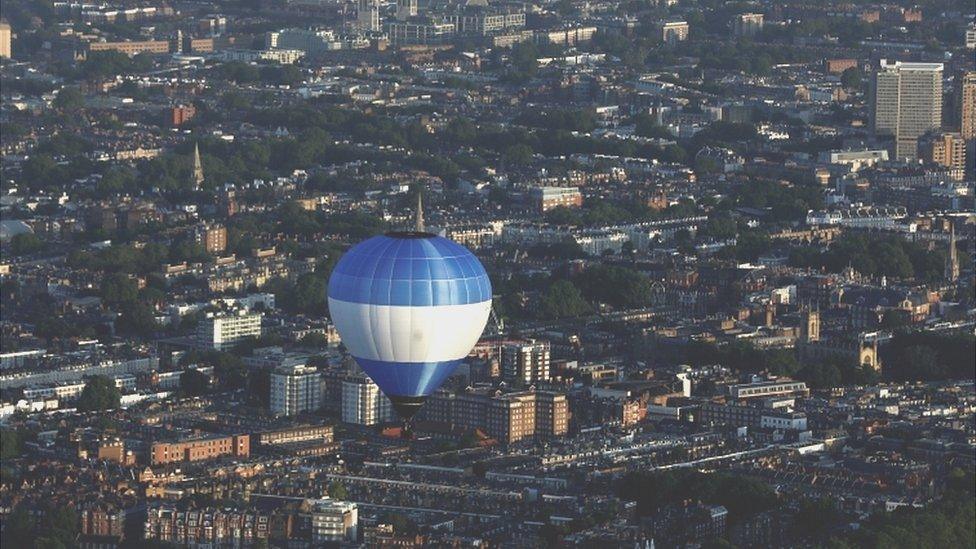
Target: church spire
[952, 260]
[419, 222]
[197, 167]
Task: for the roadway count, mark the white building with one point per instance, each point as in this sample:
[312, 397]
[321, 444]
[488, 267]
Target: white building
[857, 160]
[597, 242]
[889, 218]
[363, 403]
[310, 41]
[368, 15]
[284, 57]
[19, 359]
[906, 102]
[526, 361]
[787, 421]
[333, 521]
[295, 388]
[220, 331]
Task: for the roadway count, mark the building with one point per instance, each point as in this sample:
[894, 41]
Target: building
[547, 198]
[566, 37]
[479, 21]
[508, 417]
[5, 39]
[967, 105]
[672, 32]
[363, 403]
[311, 41]
[295, 388]
[332, 521]
[207, 526]
[213, 238]
[198, 170]
[943, 148]
[181, 114]
[223, 330]
[282, 56]
[854, 160]
[971, 36]
[300, 433]
[368, 15]
[952, 257]
[744, 391]
[810, 328]
[525, 361]
[747, 24]
[420, 33]
[200, 449]
[406, 9]
[906, 102]
[131, 48]
[838, 66]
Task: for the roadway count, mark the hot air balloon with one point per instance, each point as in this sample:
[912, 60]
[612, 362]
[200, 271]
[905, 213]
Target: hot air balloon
[409, 306]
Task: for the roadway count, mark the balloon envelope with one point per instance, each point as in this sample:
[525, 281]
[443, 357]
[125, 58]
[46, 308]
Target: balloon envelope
[409, 307]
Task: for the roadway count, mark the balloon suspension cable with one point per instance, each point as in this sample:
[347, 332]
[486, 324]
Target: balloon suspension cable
[406, 407]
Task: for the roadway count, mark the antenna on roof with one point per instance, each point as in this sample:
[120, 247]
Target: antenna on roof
[419, 223]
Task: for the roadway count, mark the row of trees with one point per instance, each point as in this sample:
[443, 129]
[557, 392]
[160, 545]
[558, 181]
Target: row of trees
[743, 497]
[926, 356]
[872, 255]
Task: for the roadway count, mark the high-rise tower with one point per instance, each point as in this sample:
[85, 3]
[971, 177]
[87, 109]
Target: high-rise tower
[906, 102]
[368, 15]
[406, 9]
[967, 105]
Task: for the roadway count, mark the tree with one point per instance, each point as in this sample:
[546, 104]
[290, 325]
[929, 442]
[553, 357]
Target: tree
[562, 299]
[402, 525]
[618, 286]
[852, 78]
[646, 125]
[193, 382]
[315, 340]
[816, 518]
[25, 243]
[821, 375]
[18, 528]
[337, 490]
[118, 288]
[69, 99]
[9, 444]
[519, 154]
[100, 393]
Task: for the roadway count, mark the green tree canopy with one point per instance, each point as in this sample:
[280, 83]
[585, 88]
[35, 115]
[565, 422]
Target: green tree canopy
[100, 393]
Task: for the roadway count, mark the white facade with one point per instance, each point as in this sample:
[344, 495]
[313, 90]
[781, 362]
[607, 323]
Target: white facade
[295, 389]
[368, 15]
[363, 403]
[906, 102]
[285, 57]
[526, 362]
[857, 160]
[861, 218]
[310, 41]
[785, 421]
[334, 521]
[220, 331]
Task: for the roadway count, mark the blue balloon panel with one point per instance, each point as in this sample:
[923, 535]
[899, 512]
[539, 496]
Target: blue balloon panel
[408, 378]
[422, 272]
